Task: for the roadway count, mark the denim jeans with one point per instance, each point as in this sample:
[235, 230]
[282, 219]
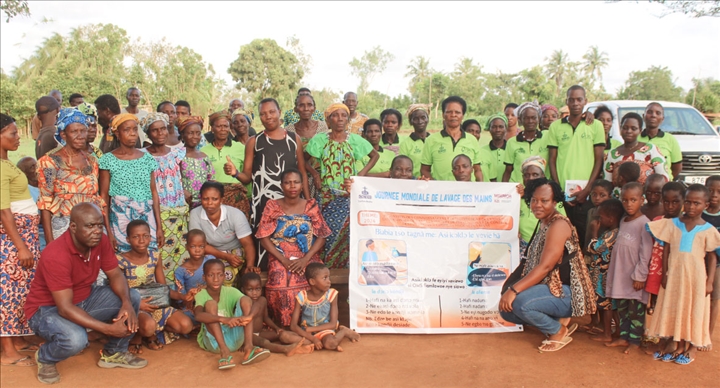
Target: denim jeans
[537, 307]
[66, 339]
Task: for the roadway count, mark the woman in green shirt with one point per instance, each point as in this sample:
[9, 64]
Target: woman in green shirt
[372, 133]
[530, 142]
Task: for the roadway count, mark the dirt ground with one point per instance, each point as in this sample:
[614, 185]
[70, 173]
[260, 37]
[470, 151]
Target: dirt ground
[502, 360]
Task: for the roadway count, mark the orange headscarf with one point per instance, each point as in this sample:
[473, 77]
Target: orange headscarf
[121, 118]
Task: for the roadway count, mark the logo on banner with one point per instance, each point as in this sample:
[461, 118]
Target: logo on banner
[502, 198]
[364, 195]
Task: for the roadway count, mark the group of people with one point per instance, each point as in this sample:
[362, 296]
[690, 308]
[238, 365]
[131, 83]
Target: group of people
[202, 214]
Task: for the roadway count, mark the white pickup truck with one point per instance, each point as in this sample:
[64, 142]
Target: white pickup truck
[699, 141]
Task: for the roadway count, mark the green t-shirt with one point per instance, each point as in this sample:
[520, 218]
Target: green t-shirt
[382, 165]
[236, 151]
[528, 221]
[518, 150]
[412, 147]
[575, 148]
[229, 298]
[491, 161]
[668, 146]
[440, 150]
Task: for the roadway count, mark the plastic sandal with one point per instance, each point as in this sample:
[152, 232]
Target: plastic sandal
[683, 359]
[256, 355]
[225, 363]
[560, 344]
[669, 357]
[657, 356]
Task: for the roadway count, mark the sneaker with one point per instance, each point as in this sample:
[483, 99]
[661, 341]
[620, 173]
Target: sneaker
[47, 373]
[121, 360]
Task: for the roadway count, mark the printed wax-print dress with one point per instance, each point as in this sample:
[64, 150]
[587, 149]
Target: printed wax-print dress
[654, 278]
[138, 275]
[62, 186]
[188, 282]
[337, 163]
[195, 172]
[271, 158]
[173, 210]
[600, 250]
[682, 311]
[293, 235]
[647, 157]
[130, 195]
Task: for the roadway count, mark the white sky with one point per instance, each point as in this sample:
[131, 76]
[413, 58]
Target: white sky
[507, 36]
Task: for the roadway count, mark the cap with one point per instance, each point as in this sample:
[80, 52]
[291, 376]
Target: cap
[46, 104]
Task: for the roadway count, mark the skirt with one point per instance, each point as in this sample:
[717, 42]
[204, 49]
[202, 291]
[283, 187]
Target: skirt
[14, 278]
[173, 253]
[161, 316]
[336, 212]
[122, 211]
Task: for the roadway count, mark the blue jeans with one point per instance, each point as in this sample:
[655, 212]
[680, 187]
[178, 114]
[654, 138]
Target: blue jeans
[66, 339]
[537, 307]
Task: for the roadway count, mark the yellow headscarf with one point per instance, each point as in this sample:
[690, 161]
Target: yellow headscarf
[334, 107]
[121, 118]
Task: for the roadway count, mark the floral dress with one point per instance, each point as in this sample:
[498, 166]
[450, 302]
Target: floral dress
[293, 235]
[647, 157]
[600, 250]
[195, 172]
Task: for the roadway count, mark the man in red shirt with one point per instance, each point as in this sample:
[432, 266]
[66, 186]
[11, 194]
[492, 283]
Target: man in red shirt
[62, 302]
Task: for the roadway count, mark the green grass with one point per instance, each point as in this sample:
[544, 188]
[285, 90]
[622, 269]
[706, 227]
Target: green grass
[27, 148]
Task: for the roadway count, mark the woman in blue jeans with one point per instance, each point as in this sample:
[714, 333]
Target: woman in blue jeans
[555, 284]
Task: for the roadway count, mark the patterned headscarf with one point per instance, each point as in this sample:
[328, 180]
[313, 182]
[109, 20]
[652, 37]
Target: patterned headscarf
[90, 111]
[242, 112]
[223, 114]
[335, 107]
[415, 107]
[188, 121]
[536, 161]
[120, 119]
[492, 118]
[547, 107]
[153, 117]
[65, 117]
[528, 105]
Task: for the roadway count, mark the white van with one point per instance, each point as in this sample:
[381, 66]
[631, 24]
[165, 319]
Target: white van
[699, 141]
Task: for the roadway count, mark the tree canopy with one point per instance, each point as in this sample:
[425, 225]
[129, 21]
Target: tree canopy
[655, 83]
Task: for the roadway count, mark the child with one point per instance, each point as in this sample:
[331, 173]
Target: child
[653, 207]
[689, 260]
[401, 168]
[600, 248]
[600, 191]
[626, 173]
[712, 216]
[156, 326]
[223, 312]
[319, 312]
[462, 168]
[251, 285]
[189, 276]
[629, 268]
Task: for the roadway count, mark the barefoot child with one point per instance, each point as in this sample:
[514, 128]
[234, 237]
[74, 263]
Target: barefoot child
[629, 268]
[689, 262]
[600, 248]
[156, 326]
[653, 207]
[189, 276]
[315, 317]
[712, 216]
[223, 312]
[251, 285]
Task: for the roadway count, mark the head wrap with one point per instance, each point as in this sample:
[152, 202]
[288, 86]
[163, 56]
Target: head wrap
[65, 117]
[188, 121]
[547, 107]
[335, 107]
[153, 117]
[536, 161]
[242, 112]
[223, 114]
[528, 105]
[414, 107]
[89, 110]
[492, 118]
[120, 119]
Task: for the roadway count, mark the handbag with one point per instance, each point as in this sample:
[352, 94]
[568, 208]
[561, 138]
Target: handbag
[159, 294]
[516, 275]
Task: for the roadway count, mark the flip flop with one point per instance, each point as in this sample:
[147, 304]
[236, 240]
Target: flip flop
[669, 357]
[571, 329]
[19, 360]
[226, 363]
[256, 355]
[683, 359]
[657, 356]
[560, 344]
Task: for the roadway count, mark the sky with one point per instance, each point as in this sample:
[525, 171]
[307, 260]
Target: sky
[500, 36]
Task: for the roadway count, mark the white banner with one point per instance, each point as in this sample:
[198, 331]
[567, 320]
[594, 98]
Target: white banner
[430, 256]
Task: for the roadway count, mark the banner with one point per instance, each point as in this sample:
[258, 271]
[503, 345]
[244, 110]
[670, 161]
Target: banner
[430, 256]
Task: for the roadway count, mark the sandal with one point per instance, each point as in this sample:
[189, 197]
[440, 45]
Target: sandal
[571, 329]
[558, 344]
[256, 355]
[226, 363]
[157, 345]
[24, 361]
[657, 356]
[683, 359]
[135, 348]
[669, 357]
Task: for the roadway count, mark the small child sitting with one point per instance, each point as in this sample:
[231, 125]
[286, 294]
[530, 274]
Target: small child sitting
[653, 207]
[462, 168]
[189, 276]
[223, 312]
[251, 285]
[627, 172]
[315, 316]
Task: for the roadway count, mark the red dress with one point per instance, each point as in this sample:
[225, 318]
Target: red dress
[654, 278]
[293, 235]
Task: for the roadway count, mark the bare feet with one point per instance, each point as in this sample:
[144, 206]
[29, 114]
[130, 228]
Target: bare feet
[305, 349]
[351, 334]
[630, 348]
[704, 348]
[602, 338]
[291, 349]
[617, 343]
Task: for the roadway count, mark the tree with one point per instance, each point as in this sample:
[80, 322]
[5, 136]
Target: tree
[532, 84]
[294, 46]
[439, 84]
[693, 8]
[655, 83]
[370, 64]
[265, 69]
[13, 8]
[418, 70]
[594, 63]
[557, 68]
[705, 95]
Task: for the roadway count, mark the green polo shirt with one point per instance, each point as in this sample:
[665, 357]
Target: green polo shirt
[527, 221]
[236, 151]
[412, 147]
[668, 146]
[440, 150]
[518, 150]
[491, 161]
[382, 165]
[575, 148]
